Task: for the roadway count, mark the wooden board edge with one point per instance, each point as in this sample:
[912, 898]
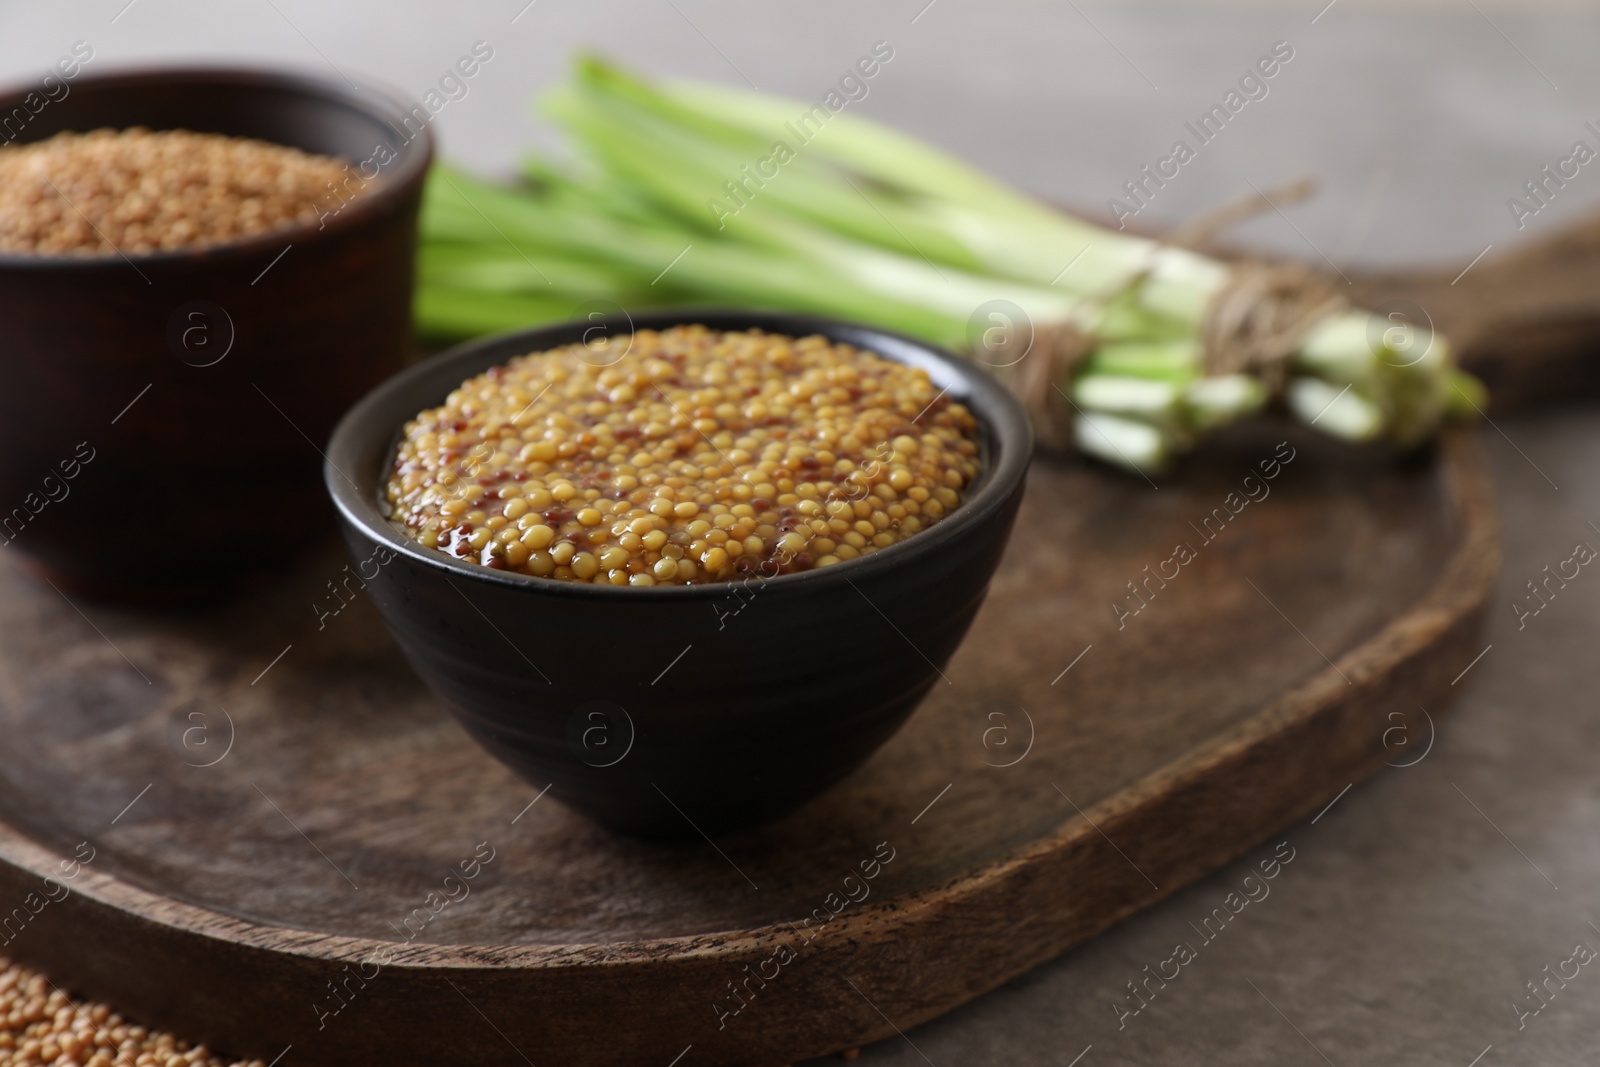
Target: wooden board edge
[1462, 587]
[1422, 649]
[1411, 660]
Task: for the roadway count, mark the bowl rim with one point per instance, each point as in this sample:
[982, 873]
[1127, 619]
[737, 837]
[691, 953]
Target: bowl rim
[377, 100]
[1005, 424]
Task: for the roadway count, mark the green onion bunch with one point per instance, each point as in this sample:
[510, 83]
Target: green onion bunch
[687, 193]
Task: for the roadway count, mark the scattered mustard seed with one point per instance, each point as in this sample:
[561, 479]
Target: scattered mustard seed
[41, 1027]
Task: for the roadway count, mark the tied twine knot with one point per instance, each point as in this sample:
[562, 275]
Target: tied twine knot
[1254, 325]
[1260, 318]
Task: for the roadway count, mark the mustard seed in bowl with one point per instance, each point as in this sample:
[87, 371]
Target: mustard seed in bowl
[682, 456]
[140, 191]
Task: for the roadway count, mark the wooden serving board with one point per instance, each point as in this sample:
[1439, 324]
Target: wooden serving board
[282, 840]
[259, 831]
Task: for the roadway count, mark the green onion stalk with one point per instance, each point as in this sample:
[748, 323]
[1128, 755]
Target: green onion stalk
[687, 193]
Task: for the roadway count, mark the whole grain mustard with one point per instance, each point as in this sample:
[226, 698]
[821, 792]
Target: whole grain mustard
[683, 456]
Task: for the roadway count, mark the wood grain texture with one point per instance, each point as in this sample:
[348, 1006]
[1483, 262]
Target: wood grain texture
[1249, 691]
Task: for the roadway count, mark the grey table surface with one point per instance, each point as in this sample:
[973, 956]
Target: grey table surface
[1420, 904]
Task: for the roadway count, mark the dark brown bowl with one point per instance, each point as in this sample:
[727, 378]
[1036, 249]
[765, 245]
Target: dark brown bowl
[673, 710]
[162, 415]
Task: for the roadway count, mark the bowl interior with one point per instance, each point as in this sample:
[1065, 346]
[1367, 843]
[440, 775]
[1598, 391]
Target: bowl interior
[363, 445]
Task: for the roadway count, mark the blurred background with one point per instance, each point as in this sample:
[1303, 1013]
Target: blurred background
[1418, 119]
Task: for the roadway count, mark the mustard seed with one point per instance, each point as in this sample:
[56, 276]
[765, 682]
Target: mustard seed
[683, 456]
[139, 191]
[40, 1026]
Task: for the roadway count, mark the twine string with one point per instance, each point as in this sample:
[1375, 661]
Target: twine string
[1254, 324]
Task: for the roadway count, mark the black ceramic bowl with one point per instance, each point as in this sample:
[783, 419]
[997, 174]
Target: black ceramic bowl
[662, 711]
[160, 414]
